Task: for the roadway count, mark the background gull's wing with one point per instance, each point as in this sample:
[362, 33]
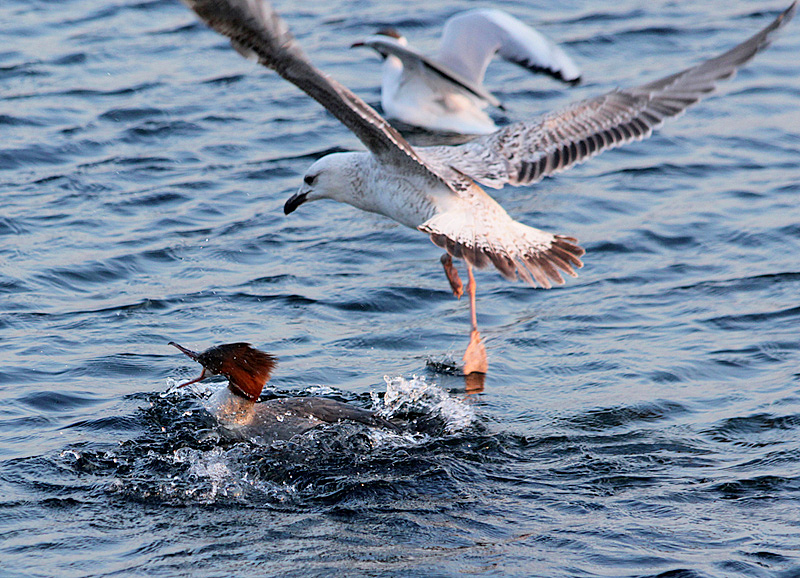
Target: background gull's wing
[470, 39]
[258, 32]
[525, 152]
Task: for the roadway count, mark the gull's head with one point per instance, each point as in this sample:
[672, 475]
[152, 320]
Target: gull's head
[331, 177]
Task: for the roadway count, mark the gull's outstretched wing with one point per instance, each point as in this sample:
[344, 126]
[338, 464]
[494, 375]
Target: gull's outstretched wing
[525, 152]
[470, 39]
[257, 31]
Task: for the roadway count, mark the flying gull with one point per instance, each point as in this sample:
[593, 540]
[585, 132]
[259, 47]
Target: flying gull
[437, 189]
[446, 93]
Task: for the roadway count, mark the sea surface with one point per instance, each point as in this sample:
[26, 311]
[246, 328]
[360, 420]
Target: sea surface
[641, 420]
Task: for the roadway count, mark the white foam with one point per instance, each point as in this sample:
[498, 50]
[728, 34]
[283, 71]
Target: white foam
[417, 395]
[194, 390]
[219, 468]
[321, 390]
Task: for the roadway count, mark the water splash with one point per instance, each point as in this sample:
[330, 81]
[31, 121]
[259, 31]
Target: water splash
[183, 457]
[425, 402]
[212, 465]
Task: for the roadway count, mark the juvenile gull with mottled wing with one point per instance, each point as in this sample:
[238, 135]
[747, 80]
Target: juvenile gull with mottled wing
[435, 189]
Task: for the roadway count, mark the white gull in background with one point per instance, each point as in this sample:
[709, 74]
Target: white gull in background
[446, 92]
[436, 189]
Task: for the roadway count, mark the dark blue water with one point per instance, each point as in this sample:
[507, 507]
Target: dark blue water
[643, 420]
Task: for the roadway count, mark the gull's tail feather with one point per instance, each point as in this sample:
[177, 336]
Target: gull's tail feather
[516, 250]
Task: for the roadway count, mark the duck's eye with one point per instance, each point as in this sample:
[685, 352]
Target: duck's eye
[309, 179]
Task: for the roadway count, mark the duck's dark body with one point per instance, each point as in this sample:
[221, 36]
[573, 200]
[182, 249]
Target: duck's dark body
[284, 418]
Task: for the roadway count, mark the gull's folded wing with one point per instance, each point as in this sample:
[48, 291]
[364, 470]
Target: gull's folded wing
[413, 59]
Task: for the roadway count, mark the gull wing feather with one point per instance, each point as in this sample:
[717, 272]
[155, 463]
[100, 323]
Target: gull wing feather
[470, 39]
[257, 31]
[525, 152]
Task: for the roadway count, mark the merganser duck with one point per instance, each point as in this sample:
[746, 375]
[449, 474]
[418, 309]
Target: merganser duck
[241, 415]
[446, 93]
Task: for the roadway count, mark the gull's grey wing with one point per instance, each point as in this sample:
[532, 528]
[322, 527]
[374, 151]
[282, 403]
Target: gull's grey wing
[257, 31]
[470, 39]
[412, 59]
[525, 152]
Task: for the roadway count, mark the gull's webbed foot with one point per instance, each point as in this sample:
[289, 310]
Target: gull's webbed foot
[475, 360]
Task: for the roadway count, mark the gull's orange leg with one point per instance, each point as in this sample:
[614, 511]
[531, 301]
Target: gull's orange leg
[475, 360]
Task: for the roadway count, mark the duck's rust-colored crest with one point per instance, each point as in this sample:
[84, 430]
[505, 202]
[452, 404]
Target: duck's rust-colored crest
[247, 368]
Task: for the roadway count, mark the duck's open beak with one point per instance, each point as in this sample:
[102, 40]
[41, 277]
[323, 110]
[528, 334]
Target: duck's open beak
[188, 352]
[195, 380]
[193, 355]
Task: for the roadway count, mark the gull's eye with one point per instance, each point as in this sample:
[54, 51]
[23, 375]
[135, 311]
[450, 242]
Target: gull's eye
[309, 179]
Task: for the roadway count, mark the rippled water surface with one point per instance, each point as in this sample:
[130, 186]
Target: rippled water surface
[642, 420]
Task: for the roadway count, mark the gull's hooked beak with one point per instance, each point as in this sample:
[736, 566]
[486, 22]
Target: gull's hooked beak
[294, 201]
[358, 44]
[193, 355]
